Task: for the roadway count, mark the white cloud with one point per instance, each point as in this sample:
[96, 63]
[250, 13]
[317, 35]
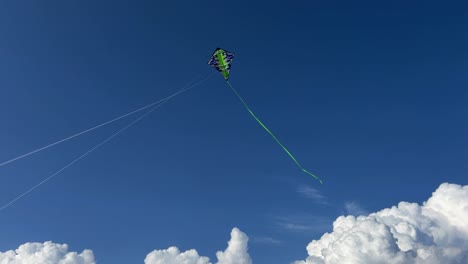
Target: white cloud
[235, 253]
[436, 232]
[45, 253]
[172, 255]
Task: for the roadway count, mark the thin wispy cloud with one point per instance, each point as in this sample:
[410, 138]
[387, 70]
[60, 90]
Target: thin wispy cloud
[312, 193]
[303, 223]
[266, 240]
[354, 208]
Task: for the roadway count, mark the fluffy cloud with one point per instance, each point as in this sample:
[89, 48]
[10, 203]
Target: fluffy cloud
[45, 253]
[172, 255]
[435, 232]
[235, 253]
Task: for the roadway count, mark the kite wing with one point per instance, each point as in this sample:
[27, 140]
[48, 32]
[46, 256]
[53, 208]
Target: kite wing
[221, 60]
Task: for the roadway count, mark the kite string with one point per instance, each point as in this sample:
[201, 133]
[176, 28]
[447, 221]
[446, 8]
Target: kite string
[105, 123]
[271, 134]
[94, 148]
[77, 159]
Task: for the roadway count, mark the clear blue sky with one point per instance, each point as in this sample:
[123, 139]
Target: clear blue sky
[370, 96]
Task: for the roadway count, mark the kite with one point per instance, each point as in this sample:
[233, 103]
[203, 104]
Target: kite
[221, 60]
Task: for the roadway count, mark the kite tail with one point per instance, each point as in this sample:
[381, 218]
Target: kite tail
[271, 134]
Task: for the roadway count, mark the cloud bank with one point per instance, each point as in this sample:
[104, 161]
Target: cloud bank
[432, 233]
[235, 253]
[51, 253]
[435, 232]
[45, 253]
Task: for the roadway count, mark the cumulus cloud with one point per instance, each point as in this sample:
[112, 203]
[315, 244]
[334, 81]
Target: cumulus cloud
[45, 253]
[435, 232]
[173, 255]
[235, 253]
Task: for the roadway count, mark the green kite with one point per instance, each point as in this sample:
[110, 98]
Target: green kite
[221, 60]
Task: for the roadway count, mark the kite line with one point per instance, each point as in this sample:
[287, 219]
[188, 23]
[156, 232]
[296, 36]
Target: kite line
[271, 133]
[79, 158]
[161, 103]
[186, 88]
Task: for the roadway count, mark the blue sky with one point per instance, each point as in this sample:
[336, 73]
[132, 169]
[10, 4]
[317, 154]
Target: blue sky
[370, 96]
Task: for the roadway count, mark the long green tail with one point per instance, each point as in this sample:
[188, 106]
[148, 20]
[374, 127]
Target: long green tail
[271, 134]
